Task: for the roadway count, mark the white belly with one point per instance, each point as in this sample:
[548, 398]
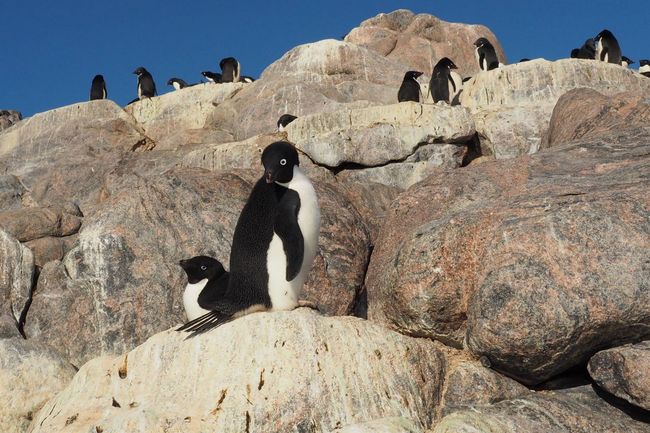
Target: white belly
[176, 85]
[284, 294]
[644, 68]
[191, 300]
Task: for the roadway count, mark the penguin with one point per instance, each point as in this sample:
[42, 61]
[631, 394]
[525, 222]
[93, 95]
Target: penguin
[284, 120]
[146, 85]
[486, 55]
[644, 67]
[206, 282]
[98, 88]
[229, 70]
[626, 61]
[607, 48]
[525, 59]
[274, 245]
[410, 88]
[177, 83]
[441, 80]
[213, 77]
[575, 53]
[586, 51]
[246, 79]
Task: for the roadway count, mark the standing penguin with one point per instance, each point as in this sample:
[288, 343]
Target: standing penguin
[274, 245]
[229, 70]
[213, 77]
[607, 48]
[410, 88]
[486, 55]
[98, 88]
[441, 80]
[146, 85]
[644, 67]
[206, 282]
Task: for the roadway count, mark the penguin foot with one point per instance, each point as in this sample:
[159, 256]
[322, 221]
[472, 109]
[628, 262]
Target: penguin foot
[308, 304]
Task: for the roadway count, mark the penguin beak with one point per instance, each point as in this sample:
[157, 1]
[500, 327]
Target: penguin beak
[453, 66]
[268, 176]
[182, 263]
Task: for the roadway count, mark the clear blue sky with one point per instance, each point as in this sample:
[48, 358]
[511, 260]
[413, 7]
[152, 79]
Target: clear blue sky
[51, 50]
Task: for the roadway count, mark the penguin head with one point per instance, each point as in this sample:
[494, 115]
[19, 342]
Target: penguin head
[604, 34]
[445, 63]
[201, 267]
[482, 42]
[279, 159]
[139, 71]
[285, 119]
[227, 60]
[644, 62]
[627, 60]
[98, 78]
[412, 75]
[170, 82]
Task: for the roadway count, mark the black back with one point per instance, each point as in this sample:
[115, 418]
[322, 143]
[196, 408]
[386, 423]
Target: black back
[214, 76]
[182, 83]
[587, 50]
[146, 85]
[627, 60]
[486, 54]
[286, 119]
[440, 79]
[229, 70]
[410, 88]
[610, 47]
[98, 88]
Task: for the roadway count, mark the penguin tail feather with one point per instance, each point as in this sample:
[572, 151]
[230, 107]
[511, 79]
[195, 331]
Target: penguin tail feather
[204, 323]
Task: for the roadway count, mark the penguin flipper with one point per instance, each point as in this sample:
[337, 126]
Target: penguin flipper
[210, 296]
[287, 228]
[204, 323]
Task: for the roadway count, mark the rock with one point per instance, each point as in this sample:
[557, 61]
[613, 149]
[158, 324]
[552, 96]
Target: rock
[178, 118]
[8, 326]
[576, 410]
[30, 375]
[9, 118]
[16, 276]
[419, 41]
[586, 113]
[121, 283]
[62, 154]
[468, 383]
[378, 135]
[384, 425]
[536, 263]
[625, 372]
[313, 78]
[50, 248]
[512, 105]
[11, 192]
[283, 372]
[27, 224]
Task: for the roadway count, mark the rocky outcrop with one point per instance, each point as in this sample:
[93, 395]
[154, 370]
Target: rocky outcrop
[624, 372]
[512, 105]
[121, 281]
[508, 255]
[9, 118]
[419, 41]
[313, 78]
[577, 410]
[11, 192]
[263, 372]
[16, 278]
[27, 224]
[384, 425]
[179, 118]
[30, 375]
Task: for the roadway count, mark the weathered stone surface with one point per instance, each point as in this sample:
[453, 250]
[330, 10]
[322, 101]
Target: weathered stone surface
[121, 282]
[263, 372]
[384, 425]
[625, 372]
[320, 77]
[512, 105]
[30, 375]
[16, 275]
[378, 135]
[577, 410]
[62, 154]
[11, 192]
[27, 224]
[543, 256]
[585, 113]
[9, 118]
[50, 248]
[178, 118]
[419, 41]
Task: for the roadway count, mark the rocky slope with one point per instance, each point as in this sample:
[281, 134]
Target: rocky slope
[495, 252]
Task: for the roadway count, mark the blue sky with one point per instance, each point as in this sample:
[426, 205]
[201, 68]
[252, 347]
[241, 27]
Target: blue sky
[51, 50]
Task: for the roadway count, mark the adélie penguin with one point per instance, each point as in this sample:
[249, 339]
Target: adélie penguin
[626, 61]
[644, 67]
[486, 55]
[206, 282]
[98, 88]
[146, 85]
[178, 83]
[229, 70]
[213, 77]
[410, 88]
[274, 245]
[441, 80]
[607, 48]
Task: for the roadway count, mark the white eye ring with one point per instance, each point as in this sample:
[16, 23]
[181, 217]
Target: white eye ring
[283, 161]
[203, 268]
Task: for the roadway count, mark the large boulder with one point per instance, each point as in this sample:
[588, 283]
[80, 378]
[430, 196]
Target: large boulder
[16, 277]
[178, 118]
[31, 223]
[625, 372]
[384, 425]
[280, 371]
[319, 77]
[61, 155]
[536, 262]
[30, 375]
[419, 41]
[577, 410]
[121, 281]
[12, 192]
[512, 105]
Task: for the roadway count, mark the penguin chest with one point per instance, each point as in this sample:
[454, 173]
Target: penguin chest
[191, 300]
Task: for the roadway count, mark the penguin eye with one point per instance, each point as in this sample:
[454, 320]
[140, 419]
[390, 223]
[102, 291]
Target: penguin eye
[283, 161]
[203, 268]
